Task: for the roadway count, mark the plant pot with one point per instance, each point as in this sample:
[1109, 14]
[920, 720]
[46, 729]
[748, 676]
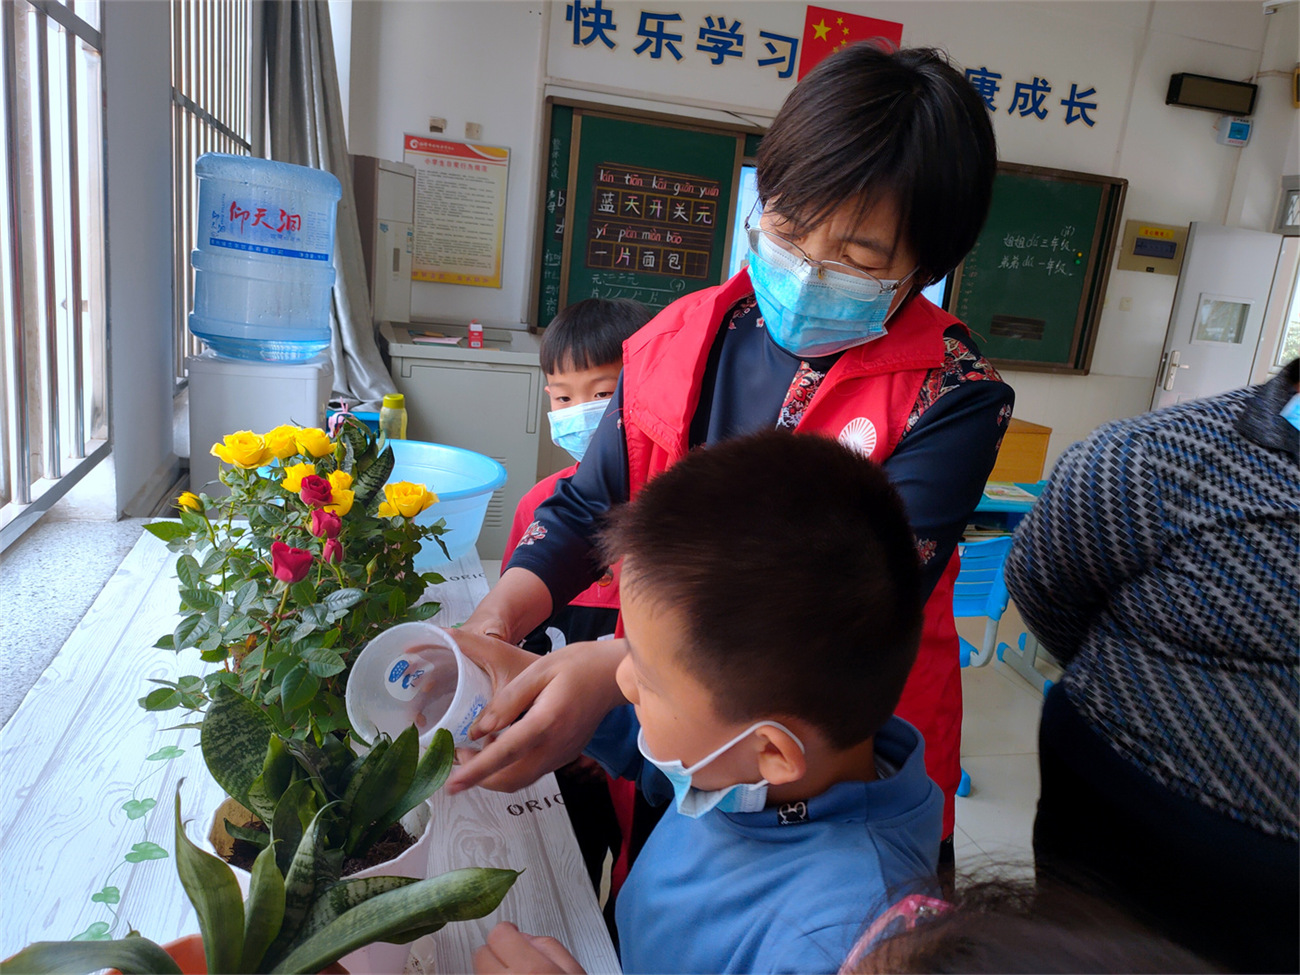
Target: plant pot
[380, 957]
[188, 954]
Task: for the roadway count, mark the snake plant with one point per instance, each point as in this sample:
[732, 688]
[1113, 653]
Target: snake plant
[298, 921]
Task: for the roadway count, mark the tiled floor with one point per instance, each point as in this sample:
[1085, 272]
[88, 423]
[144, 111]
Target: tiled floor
[999, 750]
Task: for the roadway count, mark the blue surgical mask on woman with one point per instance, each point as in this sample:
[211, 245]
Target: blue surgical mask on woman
[573, 427]
[740, 798]
[810, 309]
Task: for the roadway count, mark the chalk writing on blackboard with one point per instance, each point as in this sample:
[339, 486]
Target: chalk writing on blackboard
[652, 222]
[1049, 254]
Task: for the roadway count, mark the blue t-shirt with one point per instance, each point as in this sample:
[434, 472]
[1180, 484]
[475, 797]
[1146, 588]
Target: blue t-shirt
[787, 889]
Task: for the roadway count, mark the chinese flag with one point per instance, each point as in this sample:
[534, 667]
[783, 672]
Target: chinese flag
[825, 31]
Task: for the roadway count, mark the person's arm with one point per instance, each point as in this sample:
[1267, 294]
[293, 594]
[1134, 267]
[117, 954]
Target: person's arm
[554, 560]
[1096, 524]
[941, 465]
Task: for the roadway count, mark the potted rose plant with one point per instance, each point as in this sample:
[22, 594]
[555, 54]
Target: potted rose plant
[285, 579]
[301, 920]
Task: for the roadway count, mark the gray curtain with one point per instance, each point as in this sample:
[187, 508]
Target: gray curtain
[305, 117]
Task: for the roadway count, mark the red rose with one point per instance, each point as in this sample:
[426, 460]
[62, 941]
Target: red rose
[315, 491]
[333, 550]
[325, 524]
[289, 564]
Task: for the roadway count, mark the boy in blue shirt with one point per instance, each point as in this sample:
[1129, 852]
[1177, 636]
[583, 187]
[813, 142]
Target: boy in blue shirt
[769, 636]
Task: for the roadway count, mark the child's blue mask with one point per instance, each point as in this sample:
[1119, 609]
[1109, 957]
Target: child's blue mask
[811, 310]
[573, 427]
[739, 798]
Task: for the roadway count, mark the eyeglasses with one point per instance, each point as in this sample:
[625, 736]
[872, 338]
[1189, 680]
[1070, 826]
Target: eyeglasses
[785, 253]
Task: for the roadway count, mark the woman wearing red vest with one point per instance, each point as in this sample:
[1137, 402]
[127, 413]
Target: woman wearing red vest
[875, 179]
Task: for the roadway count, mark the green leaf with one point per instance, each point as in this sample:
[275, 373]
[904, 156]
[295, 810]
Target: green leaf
[235, 736]
[193, 521]
[136, 808]
[367, 485]
[298, 687]
[322, 662]
[430, 774]
[345, 895]
[171, 751]
[386, 780]
[211, 887]
[198, 599]
[424, 611]
[145, 851]
[166, 642]
[212, 564]
[215, 655]
[302, 631]
[312, 870]
[293, 814]
[109, 895]
[187, 571]
[91, 951]
[264, 911]
[303, 593]
[161, 699]
[413, 909]
[245, 595]
[396, 603]
[249, 834]
[187, 631]
[341, 600]
[167, 530]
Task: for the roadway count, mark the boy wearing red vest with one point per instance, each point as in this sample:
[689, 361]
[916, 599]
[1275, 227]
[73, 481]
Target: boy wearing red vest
[581, 356]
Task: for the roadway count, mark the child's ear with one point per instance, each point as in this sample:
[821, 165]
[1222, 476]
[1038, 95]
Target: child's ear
[782, 760]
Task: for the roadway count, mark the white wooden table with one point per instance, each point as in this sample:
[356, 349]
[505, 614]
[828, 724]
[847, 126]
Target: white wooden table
[79, 758]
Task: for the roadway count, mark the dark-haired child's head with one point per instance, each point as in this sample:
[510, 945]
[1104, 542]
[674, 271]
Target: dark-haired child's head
[582, 349]
[894, 151]
[769, 578]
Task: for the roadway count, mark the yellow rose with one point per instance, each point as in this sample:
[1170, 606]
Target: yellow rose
[342, 503]
[406, 499]
[189, 499]
[282, 441]
[312, 440]
[340, 489]
[293, 475]
[243, 449]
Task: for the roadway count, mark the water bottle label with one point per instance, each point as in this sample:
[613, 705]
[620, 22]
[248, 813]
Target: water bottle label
[281, 228]
[402, 678]
[462, 733]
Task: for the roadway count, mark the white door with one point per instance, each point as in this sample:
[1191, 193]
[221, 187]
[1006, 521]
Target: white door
[1218, 312]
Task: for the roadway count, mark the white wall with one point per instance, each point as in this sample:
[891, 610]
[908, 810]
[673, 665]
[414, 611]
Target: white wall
[137, 91]
[488, 62]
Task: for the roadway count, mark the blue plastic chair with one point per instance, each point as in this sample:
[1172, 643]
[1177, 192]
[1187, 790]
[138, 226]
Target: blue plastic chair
[980, 591]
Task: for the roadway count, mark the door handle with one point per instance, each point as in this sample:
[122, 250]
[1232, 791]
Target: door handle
[1171, 371]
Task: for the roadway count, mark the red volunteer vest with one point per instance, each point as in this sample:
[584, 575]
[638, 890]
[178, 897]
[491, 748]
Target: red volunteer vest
[864, 402]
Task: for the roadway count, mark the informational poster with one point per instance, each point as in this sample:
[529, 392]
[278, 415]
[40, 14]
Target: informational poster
[652, 222]
[460, 210]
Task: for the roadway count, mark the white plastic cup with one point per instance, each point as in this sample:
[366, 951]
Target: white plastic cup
[414, 673]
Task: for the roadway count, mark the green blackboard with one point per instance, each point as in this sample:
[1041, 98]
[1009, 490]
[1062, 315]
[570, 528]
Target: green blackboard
[635, 207]
[1032, 285]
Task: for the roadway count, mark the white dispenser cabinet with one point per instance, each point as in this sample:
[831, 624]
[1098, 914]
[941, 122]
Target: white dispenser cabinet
[228, 395]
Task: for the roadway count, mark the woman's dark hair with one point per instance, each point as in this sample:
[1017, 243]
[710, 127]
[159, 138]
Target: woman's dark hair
[791, 565]
[868, 124]
[590, 333]
[1008, 925]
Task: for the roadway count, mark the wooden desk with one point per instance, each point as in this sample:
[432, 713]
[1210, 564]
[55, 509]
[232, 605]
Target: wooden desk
[1024, 452]
[79, 752]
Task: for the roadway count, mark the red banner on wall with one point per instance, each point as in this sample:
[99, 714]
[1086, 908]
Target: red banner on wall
[825, 31]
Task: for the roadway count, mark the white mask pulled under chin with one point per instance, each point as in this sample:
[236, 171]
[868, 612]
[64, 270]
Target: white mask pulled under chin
[739, 798]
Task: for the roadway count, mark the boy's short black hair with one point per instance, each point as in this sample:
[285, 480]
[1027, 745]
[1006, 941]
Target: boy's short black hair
[590, 333]
[790, 561]
[867, 124]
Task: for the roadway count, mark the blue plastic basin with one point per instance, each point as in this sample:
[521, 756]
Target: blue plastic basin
[463, 481]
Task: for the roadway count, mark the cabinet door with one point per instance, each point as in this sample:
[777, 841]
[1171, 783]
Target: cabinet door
[493, 409]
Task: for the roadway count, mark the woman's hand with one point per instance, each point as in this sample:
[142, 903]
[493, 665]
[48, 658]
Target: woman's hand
[511, 952]
[565, 695]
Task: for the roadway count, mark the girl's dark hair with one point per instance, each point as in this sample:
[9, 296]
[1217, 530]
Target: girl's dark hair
[590, 333]
[791, 565]
[868, 124]
[1008, 925]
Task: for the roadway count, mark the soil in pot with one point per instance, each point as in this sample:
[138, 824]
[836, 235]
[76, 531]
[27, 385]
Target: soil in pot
[393, 843]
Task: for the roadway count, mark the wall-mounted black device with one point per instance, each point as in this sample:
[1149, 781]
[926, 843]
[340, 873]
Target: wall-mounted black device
[1213, 94]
